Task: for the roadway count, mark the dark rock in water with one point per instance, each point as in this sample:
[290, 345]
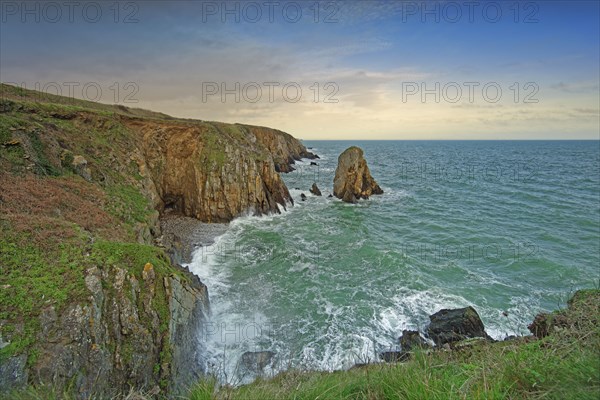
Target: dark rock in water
[330, 196]
[315, 190]
[349, 197]
[314, 163]
[543, 324]
[297, 188]
[353, 179]
[303, 197]
[394, 356]
[256, 361]
[411, 340]
[448, 326]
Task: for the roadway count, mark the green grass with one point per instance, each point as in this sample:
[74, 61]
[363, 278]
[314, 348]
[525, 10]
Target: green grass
[34, 278]
[128, 204]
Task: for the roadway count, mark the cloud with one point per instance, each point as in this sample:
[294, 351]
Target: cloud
[577, 87]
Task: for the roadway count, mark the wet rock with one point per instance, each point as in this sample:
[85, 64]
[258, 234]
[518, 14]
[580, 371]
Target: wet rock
[353, 179]
[256, 361]
[314, 163]
[315, 190]
[411, 340]
[189, 307]
[303, 196]
[448, 326]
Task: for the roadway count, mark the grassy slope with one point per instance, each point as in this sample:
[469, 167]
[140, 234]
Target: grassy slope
[53, 224]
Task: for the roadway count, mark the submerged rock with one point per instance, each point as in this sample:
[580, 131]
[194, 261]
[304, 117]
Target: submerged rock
[353, 179]
[315, 190]
[449, 326]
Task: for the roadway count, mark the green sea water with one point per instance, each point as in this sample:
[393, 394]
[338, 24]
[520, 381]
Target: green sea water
[508, 227]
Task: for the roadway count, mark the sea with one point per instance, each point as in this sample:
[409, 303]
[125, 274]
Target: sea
[511, 228]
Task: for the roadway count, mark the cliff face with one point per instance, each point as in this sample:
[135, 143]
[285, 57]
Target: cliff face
[119, 338]
[87, 301]
[284, 148]
[210, 171]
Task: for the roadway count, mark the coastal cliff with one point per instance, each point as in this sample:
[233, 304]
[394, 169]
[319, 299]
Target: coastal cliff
[284, 148]
[89, 299]
[210, 171]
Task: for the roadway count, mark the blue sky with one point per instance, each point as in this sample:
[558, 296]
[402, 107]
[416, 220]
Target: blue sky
[365, 57]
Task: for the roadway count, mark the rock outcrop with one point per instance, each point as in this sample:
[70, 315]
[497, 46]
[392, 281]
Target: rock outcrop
[284, 148]
[411, 340]
[353, 179]
[126, 317]
[315, 190]
[132, 331]
[210, 171]
[449, 326]
[254, 362]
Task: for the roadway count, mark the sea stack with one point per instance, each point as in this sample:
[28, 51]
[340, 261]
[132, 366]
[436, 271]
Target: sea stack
[353, 179]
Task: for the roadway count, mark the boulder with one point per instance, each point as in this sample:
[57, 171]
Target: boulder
[303, 197]
[80, 166]
[256, 361]
[449, 326]
[544, 323]
[353, 179]
[411, 340]
[314, 163]
[315, 190]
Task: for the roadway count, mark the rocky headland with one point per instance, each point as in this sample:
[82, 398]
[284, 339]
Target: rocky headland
[98, 206]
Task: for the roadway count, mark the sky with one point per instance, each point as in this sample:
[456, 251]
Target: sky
[323, 69]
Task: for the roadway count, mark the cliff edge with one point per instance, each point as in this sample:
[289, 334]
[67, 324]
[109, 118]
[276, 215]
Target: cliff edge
[88, 300]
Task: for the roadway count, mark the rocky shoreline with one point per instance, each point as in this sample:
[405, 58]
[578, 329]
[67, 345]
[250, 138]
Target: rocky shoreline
[181, 235]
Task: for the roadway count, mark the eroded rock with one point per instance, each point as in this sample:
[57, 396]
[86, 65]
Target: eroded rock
[448, 326]
[353, 179]
[315, 190]
[411, 340]
[256, 361]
